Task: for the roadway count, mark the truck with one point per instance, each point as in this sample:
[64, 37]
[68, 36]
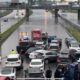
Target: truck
[24, 42]
[36, 35]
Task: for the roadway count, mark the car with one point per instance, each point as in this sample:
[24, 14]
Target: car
[5, 20]
[8, 72]
[4, 78]
[54, 47]
[68, 40]
[47, 56]
[33, 55]
[74, 46]
[55, 41]
[40, 44]
[14, 60]
[31, 49]
[63, 56]
[45, 37]
[36, 66]
[64, 53]
[51, 38]
[36, 54]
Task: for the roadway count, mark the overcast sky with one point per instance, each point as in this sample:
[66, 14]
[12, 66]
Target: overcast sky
[26, 0]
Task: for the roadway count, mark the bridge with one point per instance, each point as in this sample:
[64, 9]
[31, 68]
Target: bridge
[27, 6]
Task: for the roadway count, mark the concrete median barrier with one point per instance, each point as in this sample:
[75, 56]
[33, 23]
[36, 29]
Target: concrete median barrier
[8, 32]
[71, 28]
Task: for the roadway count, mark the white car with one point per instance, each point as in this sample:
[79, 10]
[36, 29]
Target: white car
[8, 72]
[36, 66]
[39, 44]
[74, 45]
[34, 54]
[13, 60]
[55, 41]
[75, 48]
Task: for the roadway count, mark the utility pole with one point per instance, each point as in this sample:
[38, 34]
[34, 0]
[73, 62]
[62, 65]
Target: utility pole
[0, 34]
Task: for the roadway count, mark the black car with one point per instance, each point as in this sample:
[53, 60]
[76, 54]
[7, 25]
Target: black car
[5, 20]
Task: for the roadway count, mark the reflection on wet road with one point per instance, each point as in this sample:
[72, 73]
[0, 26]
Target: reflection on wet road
[37, 20]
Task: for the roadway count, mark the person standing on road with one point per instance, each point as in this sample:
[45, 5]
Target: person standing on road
[77, 71]
[59, 73]
[48, 74]
[70, 71]
[13, 51]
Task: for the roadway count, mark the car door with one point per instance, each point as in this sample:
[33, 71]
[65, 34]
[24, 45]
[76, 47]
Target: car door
[40, 55]
[48, 55]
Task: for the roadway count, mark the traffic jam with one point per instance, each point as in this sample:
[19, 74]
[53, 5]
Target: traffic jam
[39, 51]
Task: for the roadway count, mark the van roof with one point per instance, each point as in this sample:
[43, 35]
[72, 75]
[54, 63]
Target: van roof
[36, 60]
[54, 44]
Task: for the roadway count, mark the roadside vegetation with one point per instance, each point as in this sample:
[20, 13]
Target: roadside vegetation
[74, 32]
[4, 13]
[71, 11]
[8, 32]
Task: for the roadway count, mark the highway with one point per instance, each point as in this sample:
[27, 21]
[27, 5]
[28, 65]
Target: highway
[42, 20]
[12, 19]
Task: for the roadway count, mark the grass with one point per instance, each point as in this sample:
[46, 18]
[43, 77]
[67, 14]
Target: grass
[74, 32]
[72, 11]
[7, 33]
[5, 13]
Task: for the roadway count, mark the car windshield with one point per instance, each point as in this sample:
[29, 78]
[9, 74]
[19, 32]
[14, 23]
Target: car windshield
[31, 49]
[53, 47]
[6, 71]
[74, 45]
[35, 63]
[39, 44]
[12, 59]
[64, 53]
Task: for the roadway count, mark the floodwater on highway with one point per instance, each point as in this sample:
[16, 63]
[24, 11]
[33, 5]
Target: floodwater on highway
[39, 19]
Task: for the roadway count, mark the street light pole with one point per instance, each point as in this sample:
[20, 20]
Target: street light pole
[0, 35]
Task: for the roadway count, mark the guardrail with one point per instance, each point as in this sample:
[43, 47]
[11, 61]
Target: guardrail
[39, 78]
